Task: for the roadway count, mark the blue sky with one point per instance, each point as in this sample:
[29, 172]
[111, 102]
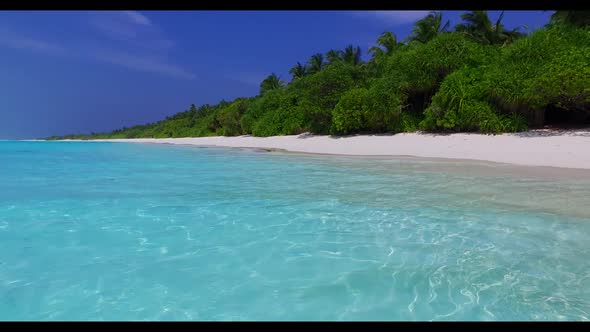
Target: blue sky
[78, 72]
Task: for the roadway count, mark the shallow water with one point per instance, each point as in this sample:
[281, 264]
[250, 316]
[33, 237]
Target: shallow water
[115, 231]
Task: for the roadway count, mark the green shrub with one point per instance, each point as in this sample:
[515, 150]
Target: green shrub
[386, 105]
[421, 67]
[547, 68]
[528, 74]
[350, 114]
[564, 81]
[286, 120]
[229, 117]
[461, 105]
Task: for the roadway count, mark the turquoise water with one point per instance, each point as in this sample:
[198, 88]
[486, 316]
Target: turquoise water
[107, 231]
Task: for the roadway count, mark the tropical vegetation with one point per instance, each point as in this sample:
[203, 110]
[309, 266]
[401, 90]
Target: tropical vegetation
[477, 76]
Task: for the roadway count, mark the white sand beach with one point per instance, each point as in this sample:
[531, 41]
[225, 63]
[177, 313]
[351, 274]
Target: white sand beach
[556, 148]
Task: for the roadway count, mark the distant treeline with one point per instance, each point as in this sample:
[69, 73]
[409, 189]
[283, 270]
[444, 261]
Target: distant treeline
[477, 76]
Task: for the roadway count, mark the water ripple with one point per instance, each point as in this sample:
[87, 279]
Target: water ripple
[207, 234]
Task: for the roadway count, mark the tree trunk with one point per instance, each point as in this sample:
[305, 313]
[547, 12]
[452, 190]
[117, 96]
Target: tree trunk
[538, 118]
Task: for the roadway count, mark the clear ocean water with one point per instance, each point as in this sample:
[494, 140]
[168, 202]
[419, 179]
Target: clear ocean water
[115, 231]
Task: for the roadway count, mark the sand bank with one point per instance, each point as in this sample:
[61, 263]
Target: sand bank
[570, 149]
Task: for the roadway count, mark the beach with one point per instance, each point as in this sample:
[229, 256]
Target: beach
[553, 148]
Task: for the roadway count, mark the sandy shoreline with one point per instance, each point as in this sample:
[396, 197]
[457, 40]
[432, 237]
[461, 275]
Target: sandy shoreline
[568, 149]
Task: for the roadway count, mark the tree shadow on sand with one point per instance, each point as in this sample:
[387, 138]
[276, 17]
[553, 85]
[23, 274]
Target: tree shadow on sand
[546, 132]
[552, 132]
[309, 135]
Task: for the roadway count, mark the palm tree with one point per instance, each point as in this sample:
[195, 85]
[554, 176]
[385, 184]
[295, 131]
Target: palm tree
[578, 18]
[480, 28]
[510, 35]
[429, 27]
[352, 55]
[506, 36]
[388, 43]
[298, 71]
[316, 63]
[333, 56]
[271, 82]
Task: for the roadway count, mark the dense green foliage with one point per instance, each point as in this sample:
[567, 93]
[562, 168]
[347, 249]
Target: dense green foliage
[548, 69]
[478, 76]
